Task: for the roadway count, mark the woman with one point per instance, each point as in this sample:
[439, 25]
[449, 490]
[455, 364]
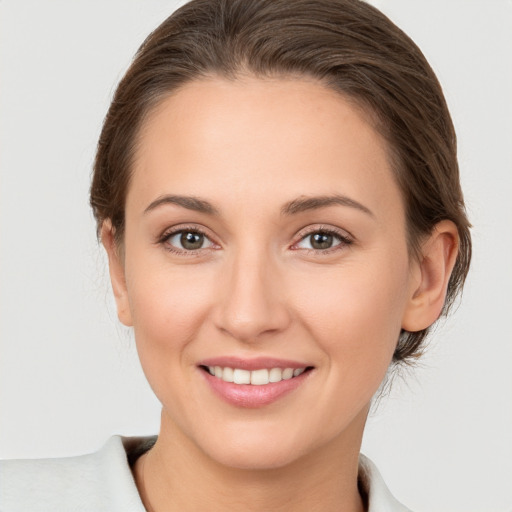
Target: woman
[276, 187]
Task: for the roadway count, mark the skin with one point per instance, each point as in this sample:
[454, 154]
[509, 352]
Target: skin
[258, 288]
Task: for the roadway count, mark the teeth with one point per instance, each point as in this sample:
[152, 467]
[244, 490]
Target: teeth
[255, 377]
[241, 376]
[259, 377]
[227, 374]
[287, 373]
[275, 375]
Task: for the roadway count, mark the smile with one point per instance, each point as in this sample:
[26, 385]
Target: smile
[253, 383]
[259, 377]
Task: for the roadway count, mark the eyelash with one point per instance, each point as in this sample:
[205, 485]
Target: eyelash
[343, 239]
[164, 240]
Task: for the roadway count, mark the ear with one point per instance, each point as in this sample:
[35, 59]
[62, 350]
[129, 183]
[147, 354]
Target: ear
[117, 274]
[430, 276]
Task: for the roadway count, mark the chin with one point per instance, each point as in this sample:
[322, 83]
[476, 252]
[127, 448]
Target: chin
[264, 449]
[254, 458]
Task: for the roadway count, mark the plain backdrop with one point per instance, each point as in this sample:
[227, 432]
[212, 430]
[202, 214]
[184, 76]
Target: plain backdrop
[69, 375]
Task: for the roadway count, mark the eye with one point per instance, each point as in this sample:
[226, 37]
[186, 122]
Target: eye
[187, 240]
[322, 240]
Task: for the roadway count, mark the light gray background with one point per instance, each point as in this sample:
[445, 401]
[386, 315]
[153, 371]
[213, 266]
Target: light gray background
[69, 376]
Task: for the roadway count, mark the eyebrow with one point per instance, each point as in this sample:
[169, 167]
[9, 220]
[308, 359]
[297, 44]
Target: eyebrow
[312, 203]
[189, 202]
[293, 207]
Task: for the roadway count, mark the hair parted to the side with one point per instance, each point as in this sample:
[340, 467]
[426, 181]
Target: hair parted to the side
[350, 47]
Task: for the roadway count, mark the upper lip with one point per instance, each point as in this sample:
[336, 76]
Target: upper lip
[256, 363]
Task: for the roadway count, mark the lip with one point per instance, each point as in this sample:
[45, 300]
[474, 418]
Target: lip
[256, 363]
[247, 395]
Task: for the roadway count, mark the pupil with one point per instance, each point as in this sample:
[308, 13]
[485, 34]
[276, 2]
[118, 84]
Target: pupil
[321, 241]
[191, 241]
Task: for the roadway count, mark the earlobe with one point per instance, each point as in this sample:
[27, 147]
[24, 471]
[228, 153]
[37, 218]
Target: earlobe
[117, 273]
[428, 290]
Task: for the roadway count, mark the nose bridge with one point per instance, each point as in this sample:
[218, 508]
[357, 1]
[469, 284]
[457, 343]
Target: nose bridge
[253, 303]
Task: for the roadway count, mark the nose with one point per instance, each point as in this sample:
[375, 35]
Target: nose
[252, 301]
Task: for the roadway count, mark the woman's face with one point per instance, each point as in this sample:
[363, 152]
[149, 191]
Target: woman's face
[264, 232]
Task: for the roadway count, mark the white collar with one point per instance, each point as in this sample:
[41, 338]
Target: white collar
[380, 498]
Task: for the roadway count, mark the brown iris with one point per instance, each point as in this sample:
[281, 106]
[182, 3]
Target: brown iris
[321, 241]
[190, 240]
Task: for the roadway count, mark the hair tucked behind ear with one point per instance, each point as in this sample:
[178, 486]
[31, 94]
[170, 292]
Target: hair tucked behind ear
[348, 45]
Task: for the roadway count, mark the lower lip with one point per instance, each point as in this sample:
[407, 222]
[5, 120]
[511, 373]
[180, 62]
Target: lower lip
[250, 396]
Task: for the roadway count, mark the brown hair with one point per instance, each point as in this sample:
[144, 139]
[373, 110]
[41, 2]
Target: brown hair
[349, 46]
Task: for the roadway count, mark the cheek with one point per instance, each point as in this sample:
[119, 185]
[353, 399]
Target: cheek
[355, 312]
[169, 306]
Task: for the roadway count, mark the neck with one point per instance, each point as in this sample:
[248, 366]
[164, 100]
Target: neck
[175, 475]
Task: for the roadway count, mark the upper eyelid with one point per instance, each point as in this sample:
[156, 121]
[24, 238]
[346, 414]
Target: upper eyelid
[166, 233]
[342, 233]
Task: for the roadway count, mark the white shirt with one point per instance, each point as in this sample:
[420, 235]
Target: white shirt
[103, 482]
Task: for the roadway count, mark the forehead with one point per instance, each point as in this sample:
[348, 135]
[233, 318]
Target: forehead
[257, 139]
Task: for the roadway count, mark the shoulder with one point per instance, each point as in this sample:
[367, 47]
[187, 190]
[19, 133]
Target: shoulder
[372, 484]
[100, 481]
